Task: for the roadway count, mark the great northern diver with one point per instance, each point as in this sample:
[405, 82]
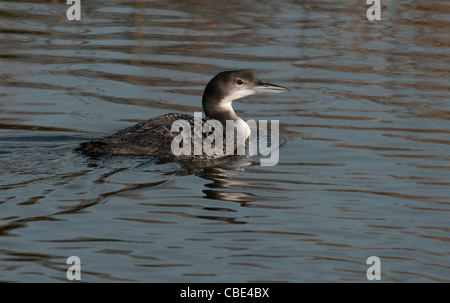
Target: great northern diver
[154, 136]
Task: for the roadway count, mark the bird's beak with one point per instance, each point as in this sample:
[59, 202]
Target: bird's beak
[262, 87]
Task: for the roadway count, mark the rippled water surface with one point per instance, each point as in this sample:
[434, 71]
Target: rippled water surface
[364, 171]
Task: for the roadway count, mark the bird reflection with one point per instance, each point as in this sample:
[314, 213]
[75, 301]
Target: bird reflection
[223, 178]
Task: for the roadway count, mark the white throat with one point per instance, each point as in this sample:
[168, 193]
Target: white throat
[226, 102]
[242, 128]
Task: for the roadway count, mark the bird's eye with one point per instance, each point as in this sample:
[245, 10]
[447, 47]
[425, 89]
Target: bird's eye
[240, 81]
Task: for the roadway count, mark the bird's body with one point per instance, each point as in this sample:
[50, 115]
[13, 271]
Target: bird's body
[154, 137]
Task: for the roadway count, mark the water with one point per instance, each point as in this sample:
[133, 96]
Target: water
[364, 171]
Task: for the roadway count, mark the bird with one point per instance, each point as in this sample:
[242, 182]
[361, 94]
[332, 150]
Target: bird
[156, 136]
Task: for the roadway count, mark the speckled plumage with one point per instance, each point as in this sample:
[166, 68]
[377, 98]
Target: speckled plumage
[150, 137]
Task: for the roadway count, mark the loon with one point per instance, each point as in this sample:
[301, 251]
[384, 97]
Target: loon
[153, 137]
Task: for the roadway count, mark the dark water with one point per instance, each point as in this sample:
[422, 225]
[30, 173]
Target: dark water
[365, 170]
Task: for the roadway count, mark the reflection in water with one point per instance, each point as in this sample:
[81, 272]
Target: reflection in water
[221, 181]
[364, 170]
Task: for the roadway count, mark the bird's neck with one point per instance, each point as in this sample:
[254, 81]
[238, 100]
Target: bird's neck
[223, 111]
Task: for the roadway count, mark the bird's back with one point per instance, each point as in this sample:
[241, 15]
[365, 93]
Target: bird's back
[152, 137]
